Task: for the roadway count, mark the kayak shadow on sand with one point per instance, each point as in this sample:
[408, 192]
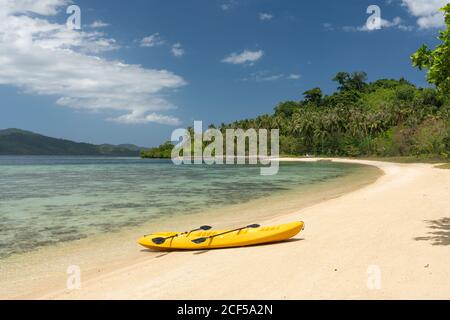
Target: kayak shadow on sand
[440, 234]
[163, 253]
[252, 246]
[160, 253]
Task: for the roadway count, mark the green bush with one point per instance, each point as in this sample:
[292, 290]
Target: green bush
[431, 137]
[162, 152]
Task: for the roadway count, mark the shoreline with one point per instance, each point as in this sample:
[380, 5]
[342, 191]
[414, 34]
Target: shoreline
[35, 274]
[328, 227]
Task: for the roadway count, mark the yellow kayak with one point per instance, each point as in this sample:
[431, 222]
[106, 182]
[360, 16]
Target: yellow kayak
[204, 239]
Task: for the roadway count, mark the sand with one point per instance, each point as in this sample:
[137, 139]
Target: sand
[386, 240]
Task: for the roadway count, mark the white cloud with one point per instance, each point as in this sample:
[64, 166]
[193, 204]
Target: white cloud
[228, 5]
[151, 41]
[272, 77]
[433, 21]
[427, 12]
[45, 58]
[294, 76]
[405, 27]
[246, 56]
[328, 26]
[262, 76]
[137, 117]
[44, 7]
[177, 50]
[98, 24]
[265, 16]
[397, 22]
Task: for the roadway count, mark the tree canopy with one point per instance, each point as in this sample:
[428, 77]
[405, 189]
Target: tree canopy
[313, 96]
[386, 117]
[355, 81]
[437, 61]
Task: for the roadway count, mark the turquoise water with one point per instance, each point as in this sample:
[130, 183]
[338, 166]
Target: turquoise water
[46, 200]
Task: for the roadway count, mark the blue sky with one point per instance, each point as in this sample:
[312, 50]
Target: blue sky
[160, 65]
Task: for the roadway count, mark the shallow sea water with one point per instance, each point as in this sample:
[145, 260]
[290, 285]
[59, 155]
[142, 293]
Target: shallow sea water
[48, 200]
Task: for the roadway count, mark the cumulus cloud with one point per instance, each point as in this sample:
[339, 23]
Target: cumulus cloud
[265, 16]
[45, 7]
[427, 12]
[177, 50]
[151, 41]
[45, 58]
[244, 57]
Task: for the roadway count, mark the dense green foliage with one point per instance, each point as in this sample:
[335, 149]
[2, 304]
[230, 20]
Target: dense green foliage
[163, 151]
[20, 142]
[384, 118]
[437, 61]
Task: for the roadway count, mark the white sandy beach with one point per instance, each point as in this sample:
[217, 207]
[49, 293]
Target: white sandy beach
[393, 226]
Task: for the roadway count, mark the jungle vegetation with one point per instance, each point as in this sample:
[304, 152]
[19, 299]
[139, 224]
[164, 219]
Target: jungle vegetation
[385, 118]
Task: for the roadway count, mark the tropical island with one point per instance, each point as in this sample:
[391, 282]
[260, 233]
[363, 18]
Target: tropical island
[383, 118]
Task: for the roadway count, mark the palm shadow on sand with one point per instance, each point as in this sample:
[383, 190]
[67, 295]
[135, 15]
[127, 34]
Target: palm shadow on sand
[440, 234]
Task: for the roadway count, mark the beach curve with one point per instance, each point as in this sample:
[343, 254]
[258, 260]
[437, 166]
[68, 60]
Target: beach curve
[372, 243]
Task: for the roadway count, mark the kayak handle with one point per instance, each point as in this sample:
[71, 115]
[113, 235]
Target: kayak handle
[161, 240]
[201, 240]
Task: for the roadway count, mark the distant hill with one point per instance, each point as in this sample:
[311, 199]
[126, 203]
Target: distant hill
[21, 142]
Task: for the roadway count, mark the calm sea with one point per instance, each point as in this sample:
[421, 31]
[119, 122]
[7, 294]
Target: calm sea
[45, 200]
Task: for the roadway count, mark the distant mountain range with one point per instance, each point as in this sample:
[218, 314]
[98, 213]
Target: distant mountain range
[21, 142]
